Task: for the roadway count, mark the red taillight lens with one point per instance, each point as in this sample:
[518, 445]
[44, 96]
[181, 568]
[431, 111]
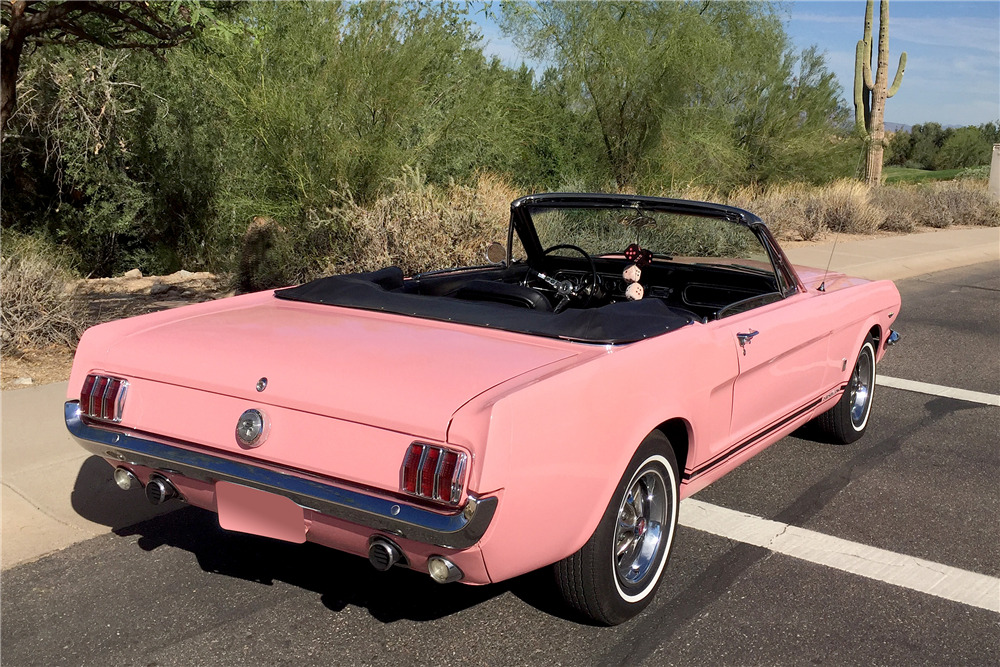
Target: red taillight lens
[446, 473]
[86, 393]
[110, 398]
[103, 397]
[433, 472]
[97, 396]
[410, 466]
[428, 472]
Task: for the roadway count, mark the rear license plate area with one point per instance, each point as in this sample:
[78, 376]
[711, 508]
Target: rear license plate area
[257, 512]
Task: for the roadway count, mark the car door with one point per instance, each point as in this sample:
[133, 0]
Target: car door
[782, 349]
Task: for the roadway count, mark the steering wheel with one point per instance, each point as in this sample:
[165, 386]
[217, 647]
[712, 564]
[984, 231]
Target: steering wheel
[567, 290]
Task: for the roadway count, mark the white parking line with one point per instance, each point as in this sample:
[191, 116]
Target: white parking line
[938, 390]
[943, 581]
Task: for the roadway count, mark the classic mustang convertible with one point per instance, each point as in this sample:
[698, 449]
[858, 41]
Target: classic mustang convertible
[552, 407]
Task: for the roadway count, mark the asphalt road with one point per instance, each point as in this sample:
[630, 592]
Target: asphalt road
[177, 590]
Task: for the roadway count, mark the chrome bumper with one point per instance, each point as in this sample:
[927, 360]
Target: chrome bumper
[451, 531]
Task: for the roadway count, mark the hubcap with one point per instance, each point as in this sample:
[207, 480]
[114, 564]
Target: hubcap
[639, 533]
[861, 386]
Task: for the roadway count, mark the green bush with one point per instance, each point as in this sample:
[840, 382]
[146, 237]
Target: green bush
[981, 173]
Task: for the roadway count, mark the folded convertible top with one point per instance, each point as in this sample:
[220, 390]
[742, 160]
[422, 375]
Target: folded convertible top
[615, 323]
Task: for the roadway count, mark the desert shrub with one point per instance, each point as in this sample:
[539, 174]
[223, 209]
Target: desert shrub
[37, 307]
[785, 210]
[797, 211]
[958, 203]
[843, 206]
[419, 226]
[416, 226]
[266, 257]
[900, 205]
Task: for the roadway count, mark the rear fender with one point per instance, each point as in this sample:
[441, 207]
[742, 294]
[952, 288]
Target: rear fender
[559, 446]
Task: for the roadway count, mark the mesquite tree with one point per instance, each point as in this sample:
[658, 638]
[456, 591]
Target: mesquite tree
[870, 95]
[112, 25]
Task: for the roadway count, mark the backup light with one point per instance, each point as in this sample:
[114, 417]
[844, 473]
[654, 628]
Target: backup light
[433, 472]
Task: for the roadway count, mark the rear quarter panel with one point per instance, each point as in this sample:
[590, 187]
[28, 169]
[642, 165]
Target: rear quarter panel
[559, 443]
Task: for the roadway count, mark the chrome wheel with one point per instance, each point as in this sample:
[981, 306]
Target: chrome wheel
[847, 420]
[639, 534]
[616, 573]
[860, 388]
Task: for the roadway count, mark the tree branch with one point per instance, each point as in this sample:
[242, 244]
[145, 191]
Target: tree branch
[36, 23]
[163, 33]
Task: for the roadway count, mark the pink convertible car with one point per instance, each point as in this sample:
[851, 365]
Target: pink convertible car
[550, 408]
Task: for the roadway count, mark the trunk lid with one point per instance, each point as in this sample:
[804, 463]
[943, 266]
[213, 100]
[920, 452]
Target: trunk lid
[396, 372]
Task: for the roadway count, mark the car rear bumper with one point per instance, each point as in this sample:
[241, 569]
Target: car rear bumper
[456, 530]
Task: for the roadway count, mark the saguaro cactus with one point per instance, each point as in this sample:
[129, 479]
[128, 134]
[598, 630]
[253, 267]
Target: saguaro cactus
[869, 95]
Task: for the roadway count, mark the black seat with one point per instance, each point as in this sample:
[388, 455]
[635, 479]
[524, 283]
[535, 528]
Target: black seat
[500, 292]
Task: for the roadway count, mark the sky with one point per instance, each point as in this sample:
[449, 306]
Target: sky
[952, 72]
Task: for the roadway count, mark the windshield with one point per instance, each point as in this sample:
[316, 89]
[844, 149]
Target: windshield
[674, 236]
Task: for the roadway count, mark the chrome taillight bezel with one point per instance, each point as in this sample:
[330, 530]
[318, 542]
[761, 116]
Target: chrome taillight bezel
[444, 488]
[97, 389]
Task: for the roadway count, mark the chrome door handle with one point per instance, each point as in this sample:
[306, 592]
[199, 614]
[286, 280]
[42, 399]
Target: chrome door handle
[745, 339]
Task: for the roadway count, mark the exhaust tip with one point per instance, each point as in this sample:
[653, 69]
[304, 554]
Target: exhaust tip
[443, 570]
[126, 479]
[159, 491]
[383, 554]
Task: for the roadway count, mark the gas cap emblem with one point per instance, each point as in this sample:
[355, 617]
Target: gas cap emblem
[250, 429]
[262, 384]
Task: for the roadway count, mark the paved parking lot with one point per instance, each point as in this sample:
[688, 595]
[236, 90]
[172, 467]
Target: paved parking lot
[177, 590]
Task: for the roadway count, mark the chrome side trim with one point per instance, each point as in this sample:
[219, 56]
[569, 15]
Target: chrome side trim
[451, 531]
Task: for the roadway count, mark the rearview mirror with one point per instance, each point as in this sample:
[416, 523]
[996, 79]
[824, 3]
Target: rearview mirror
[496, 253]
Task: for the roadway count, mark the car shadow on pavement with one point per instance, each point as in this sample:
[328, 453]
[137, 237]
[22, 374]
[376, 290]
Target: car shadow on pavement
[340, 579]
[97, 498]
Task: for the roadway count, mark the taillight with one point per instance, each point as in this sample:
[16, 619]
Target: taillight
[103, 397]
[433, 472]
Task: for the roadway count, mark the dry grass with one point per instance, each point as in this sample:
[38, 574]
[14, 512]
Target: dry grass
[420, 226]
[803, 212]
[37, 308]
[901, 205]
[962, 202]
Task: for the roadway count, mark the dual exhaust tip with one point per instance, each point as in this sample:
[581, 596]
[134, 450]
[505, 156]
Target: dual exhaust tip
[383, 553]
[158, 489]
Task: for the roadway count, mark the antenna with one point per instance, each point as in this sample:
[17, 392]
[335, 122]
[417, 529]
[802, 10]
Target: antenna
[822, 285]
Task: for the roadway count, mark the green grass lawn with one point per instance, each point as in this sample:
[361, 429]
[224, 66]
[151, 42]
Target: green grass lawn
[905, 175]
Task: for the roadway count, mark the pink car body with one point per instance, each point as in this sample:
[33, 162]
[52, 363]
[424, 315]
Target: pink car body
[543, 427]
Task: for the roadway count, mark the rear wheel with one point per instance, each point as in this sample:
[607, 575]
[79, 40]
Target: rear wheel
[846, 421]
[615, 574]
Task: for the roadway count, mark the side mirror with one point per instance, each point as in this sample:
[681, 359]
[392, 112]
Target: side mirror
[496, 253]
